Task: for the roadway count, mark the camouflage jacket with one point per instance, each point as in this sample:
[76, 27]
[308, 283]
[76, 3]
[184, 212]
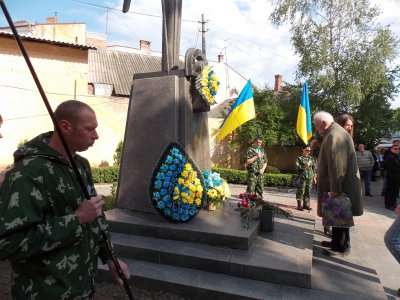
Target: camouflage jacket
[259, 162]
[301, 162]
[52, 255]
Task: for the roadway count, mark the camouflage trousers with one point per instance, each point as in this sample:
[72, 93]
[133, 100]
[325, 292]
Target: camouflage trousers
[303, 191]
[255, 184]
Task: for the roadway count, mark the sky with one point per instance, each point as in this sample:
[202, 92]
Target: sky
[239, 29]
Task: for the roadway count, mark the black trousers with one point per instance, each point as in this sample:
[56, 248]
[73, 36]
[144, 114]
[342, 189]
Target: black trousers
[392, 191]
[340, 239]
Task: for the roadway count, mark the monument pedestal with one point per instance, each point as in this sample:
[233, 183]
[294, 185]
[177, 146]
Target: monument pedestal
[160, 111]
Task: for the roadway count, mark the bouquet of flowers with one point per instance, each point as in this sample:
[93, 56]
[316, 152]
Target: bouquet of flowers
[253, 204]
[207, 84]
[177, 188]
[217, 188]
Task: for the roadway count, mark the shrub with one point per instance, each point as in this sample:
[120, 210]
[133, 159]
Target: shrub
[105, 174]
[110, 175]
[240, 177]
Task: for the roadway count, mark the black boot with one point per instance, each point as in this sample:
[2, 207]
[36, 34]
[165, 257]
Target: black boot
[299, 206]
[307, 206]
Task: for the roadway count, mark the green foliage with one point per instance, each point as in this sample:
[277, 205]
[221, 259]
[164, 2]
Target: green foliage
[240, 177]
[118, 154]
[346, 57]
[105, 174]
[109, 203]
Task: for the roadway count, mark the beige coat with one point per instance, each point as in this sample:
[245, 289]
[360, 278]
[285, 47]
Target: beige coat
[337, 168]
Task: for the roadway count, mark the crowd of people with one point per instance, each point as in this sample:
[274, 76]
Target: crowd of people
[339, 170]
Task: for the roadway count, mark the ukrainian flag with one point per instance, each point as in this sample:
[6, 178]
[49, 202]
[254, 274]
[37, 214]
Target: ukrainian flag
[241, 112]
[304, 117]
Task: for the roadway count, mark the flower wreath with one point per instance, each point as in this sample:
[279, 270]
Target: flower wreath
[177, 186]
[217, 188]
[207, 84]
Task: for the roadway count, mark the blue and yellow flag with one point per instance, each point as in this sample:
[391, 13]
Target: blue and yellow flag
[241, 112]
[304, 129]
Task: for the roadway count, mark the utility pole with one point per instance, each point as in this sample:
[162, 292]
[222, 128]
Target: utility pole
[203, 35]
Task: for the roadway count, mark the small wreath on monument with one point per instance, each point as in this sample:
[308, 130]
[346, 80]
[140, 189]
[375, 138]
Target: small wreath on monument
[207, 84]
[177, 188]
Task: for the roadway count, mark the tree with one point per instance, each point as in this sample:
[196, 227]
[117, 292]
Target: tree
[118, 154]
[344, 54]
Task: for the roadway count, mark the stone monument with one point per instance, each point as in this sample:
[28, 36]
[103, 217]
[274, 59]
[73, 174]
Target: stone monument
[163, 107]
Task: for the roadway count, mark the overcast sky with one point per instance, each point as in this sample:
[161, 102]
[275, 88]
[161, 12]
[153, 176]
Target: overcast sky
[238, 29]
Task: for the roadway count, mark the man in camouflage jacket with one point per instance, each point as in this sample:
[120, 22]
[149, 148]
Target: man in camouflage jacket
[305, 166]
[256, 162]
[48, 229]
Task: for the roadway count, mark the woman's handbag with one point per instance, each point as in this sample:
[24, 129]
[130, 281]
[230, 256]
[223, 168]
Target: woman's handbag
[296, 181]
[336, 211]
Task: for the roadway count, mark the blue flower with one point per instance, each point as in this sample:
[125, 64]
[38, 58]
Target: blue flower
[163, 192]
[172, 167]
[185, 217]
[175, 151]
[156, 195]
[164, 167]
[160, 204]
[180, 210]
[166, 184]
[160, 175]
[169, 159]
[168, 203]
[166, 198]
[158, 184]
[192, 212]
[175, 216]
[177, 161]
[167, 211]
[174, 208]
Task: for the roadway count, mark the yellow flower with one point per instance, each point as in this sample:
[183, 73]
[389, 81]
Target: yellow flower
[180, 180]
[188, 167]
[198, 202]
[184, 174]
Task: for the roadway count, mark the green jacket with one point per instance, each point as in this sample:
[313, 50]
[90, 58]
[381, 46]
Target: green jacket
[306, 173]
[52, 255]
[256, 166]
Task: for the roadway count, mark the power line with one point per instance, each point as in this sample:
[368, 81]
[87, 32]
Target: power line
[129, 12]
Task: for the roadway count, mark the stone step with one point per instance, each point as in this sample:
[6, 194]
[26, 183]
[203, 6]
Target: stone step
[219, 228]
[282, 256]
[197, 284]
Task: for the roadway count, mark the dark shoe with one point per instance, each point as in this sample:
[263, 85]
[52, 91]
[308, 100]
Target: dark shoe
[326, 244]
[327, 231]
[368, 194]
[331, 252]
[307, 207]
[299, 206]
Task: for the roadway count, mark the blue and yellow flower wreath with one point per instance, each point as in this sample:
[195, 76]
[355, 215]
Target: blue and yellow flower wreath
[207, 84]
[177, 188]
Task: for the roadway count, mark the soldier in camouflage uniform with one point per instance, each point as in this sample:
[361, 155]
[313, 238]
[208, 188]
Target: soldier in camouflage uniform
[256, 162]
[305, 165]
[48, 229]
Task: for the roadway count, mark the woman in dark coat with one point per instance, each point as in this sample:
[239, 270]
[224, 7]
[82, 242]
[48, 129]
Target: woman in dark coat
[392, 167]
